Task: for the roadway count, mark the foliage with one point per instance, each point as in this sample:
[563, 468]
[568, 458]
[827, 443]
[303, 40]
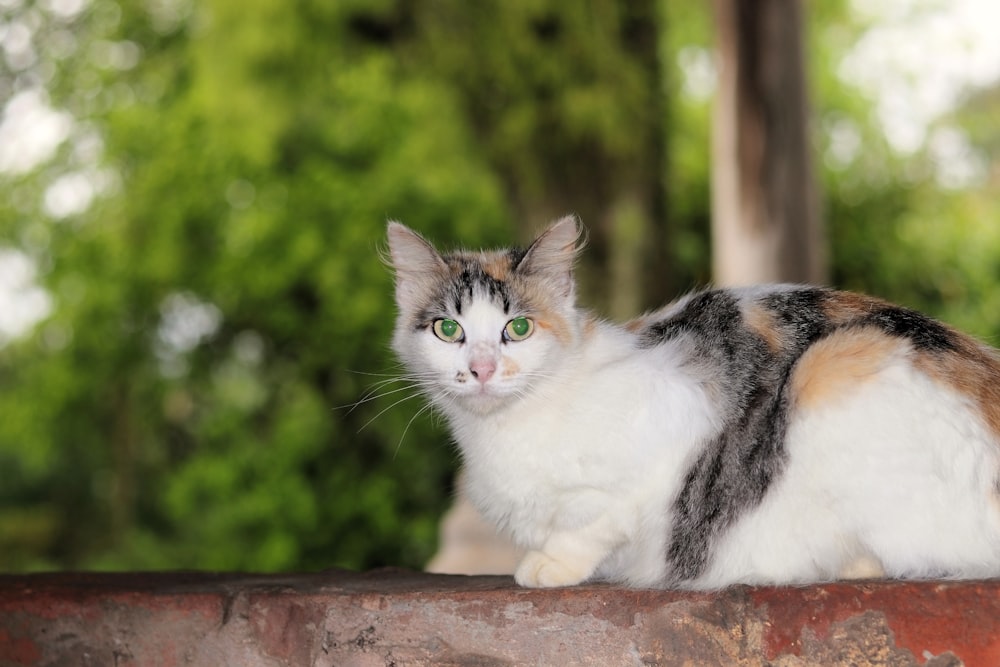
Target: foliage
[220, 311]
[219, 307]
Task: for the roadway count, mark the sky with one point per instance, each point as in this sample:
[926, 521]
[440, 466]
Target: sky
[916, 61]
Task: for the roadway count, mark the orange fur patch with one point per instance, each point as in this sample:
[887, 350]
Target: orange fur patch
[637, 324]
[973, 371]
[496, 265]
[844, 307]
[761, 321]
[509, 367]
[556, 326]
[836, 364]
[634, 326]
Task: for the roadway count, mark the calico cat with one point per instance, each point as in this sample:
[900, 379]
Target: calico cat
[779, 434]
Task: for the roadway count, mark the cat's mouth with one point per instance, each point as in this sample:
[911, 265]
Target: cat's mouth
[483, 391]
[482, 397]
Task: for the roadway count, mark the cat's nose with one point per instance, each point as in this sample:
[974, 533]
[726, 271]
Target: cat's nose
[482, 369]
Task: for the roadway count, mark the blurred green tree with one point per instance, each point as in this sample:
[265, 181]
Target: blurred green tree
[221, 306]
[569, 104]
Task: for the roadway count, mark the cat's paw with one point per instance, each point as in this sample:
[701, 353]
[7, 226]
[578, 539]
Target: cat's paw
[539, 570]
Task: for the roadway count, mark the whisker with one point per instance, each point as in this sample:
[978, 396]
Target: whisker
[375, 391]
[373, 396]
[384, 410]
[406, 430]
[396, 378]
[371, 374]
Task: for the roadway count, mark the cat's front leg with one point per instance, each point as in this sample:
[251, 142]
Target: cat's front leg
[568, 558]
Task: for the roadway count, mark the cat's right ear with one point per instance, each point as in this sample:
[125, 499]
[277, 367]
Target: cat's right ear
[417, 265]
[553, 253]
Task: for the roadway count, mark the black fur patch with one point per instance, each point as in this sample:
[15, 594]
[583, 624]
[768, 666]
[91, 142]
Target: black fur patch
[516, 255]
[925, 333]
[707, 313]
[735, 469]
[800, 313]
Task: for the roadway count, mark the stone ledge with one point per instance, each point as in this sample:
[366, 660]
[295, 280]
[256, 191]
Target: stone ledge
[396, 617]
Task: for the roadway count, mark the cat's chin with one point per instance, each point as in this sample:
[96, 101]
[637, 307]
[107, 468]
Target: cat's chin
[485, 401]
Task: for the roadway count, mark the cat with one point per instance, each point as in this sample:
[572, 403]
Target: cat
[770, 435]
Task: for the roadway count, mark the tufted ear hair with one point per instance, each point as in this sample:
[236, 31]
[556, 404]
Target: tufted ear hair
[417, 265]
[553, 253]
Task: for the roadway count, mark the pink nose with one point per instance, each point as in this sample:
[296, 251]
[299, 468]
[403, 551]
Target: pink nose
[483, 369]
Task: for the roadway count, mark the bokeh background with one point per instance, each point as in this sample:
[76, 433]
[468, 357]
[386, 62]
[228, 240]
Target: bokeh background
[194, 319]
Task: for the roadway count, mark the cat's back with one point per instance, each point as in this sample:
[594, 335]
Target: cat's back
[841, 416]
[812, 343]
[768, 356]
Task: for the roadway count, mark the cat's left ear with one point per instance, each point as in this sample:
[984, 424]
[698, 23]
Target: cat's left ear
[417, 264]
[553, 253]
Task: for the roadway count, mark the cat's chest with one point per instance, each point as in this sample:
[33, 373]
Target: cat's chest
[535, 478]
[564, 456]
[567, 434]
[602, 439]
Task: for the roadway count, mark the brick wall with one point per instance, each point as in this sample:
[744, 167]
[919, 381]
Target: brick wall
[392, 617]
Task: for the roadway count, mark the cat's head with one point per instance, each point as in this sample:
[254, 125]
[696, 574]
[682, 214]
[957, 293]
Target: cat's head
[480, 329]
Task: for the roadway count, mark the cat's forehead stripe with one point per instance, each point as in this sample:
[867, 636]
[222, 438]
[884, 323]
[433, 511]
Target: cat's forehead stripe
[469, 276]
[494, 275]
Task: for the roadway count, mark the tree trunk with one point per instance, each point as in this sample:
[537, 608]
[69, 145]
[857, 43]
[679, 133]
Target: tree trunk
[766, 222]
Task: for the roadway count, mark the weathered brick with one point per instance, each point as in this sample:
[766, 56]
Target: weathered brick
[394, 617]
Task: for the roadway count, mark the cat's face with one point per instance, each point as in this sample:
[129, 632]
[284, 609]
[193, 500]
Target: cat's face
[481, 329]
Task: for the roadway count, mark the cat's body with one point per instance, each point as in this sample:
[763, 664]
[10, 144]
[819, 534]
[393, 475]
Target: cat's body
[779, 434]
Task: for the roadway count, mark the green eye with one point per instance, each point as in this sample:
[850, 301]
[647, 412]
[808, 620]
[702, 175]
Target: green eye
[518, 328]
[449, 331]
